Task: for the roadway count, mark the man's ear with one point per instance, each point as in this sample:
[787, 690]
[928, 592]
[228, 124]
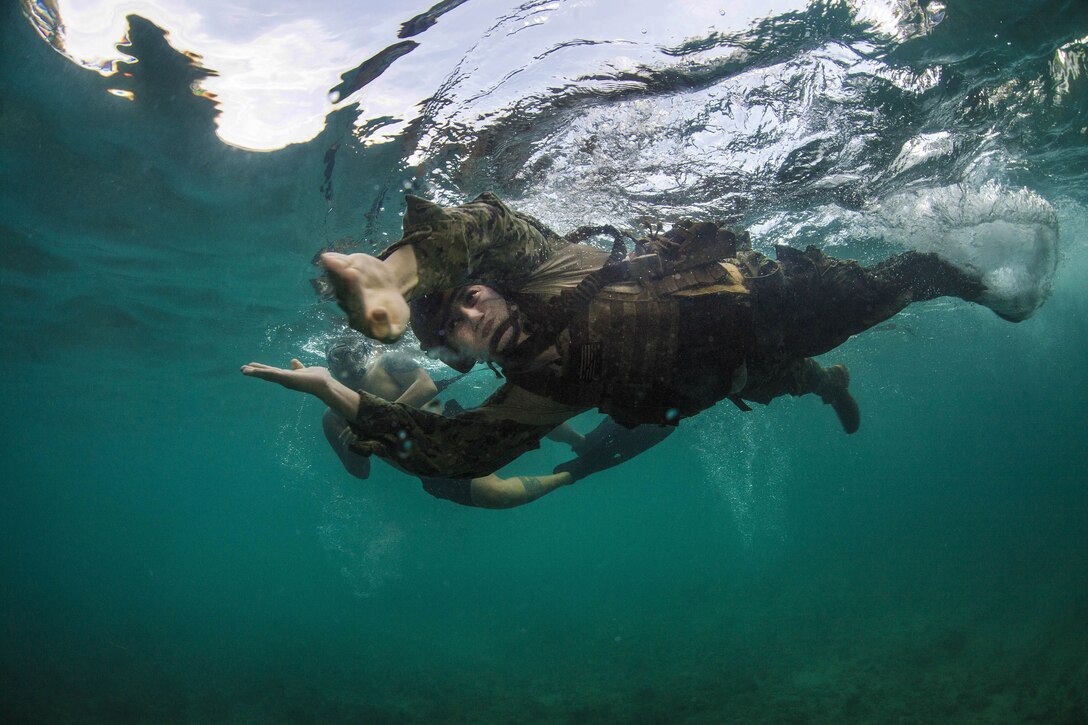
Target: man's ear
[421, 212]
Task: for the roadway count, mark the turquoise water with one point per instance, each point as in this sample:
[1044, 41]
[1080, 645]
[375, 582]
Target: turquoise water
[179, 544]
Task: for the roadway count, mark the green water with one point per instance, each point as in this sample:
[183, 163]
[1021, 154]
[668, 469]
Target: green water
[179, 544]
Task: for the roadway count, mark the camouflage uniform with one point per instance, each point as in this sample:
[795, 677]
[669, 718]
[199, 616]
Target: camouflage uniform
[715, 320]
[483, 239]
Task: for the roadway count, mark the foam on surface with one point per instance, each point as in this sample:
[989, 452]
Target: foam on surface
[1009, 238]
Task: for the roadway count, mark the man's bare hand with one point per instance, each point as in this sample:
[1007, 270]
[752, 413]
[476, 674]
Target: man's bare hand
[313, 380]
[369, 290]
[316, 381]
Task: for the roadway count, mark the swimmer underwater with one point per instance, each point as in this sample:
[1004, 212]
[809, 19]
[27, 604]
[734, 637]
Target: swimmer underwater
[650, 337]
[395, 376]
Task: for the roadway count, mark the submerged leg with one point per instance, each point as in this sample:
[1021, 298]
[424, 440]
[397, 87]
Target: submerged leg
[610, 444]
[833, 387]
[805, 376]
[818, 302]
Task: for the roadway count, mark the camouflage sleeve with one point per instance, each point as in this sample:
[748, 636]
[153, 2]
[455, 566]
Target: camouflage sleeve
[475, 443]
[481, 240]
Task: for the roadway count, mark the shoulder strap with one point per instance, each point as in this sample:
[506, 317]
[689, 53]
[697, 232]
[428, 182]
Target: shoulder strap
[570, 302]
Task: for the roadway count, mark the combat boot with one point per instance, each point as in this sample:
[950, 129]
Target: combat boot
[835, 391]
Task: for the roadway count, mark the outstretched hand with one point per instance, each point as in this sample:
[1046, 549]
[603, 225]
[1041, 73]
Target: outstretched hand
[369, 291]
[316, 381]
[313, 380]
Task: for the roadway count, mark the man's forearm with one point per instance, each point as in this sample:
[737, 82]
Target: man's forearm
[499, 493]
[426, 444]
[419, 392]
[341, 399]
[402, 265]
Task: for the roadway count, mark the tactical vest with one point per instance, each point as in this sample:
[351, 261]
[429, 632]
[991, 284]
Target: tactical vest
[667, 342]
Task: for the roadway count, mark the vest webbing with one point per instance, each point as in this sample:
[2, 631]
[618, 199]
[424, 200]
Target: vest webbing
[654, 357]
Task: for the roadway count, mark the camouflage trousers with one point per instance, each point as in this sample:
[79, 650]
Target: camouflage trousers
[806, 304]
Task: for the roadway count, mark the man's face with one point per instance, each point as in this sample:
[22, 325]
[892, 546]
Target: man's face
[475, 314]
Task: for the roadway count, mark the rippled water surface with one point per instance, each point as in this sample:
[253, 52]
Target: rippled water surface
[179, 544]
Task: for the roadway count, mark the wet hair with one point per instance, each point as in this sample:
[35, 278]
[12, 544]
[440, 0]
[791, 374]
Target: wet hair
[346, 358]
[430, 315]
